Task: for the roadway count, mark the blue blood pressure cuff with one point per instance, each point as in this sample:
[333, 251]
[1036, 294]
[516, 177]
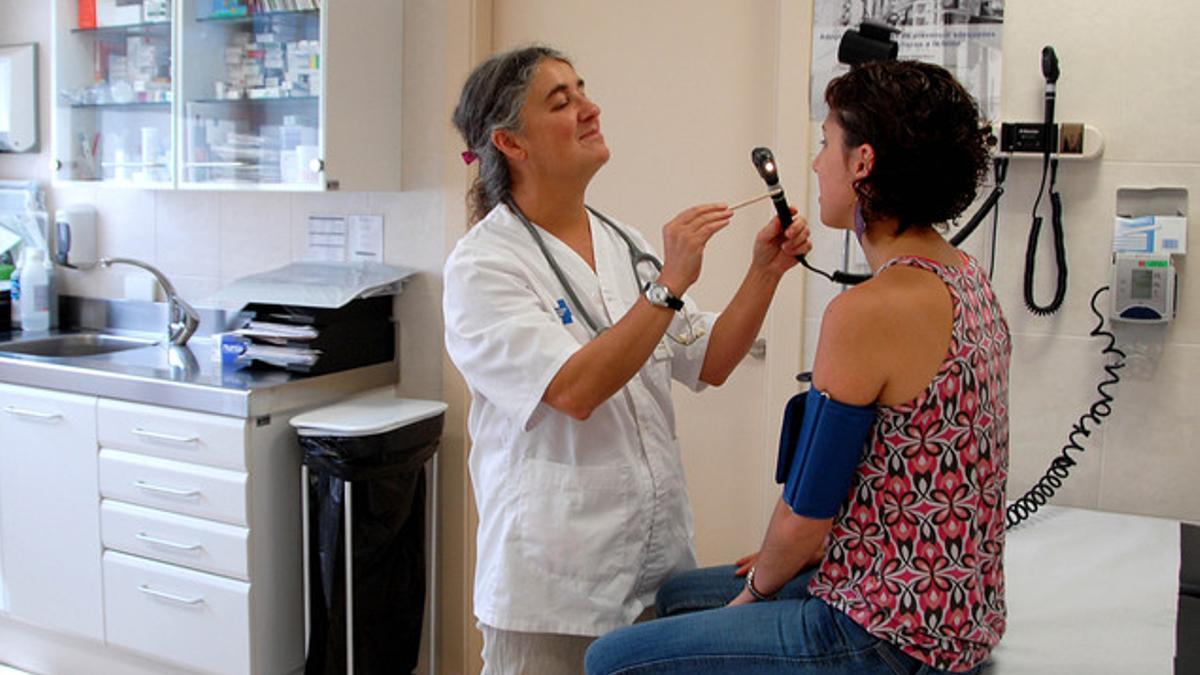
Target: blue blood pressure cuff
[820, 446]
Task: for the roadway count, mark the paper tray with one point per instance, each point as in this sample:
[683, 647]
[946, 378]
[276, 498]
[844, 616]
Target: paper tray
[313, 284]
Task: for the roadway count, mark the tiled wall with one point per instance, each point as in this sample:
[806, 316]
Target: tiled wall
[203, 240]
[1127, 69]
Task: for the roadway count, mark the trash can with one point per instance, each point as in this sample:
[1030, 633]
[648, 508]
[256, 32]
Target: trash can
[363, 487]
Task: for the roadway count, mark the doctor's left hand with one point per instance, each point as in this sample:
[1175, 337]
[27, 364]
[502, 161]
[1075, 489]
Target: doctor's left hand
[776, 251]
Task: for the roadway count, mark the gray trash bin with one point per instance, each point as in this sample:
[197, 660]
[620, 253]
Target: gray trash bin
[363, 486]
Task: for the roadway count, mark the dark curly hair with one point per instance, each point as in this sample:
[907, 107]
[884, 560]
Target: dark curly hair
[931, 149]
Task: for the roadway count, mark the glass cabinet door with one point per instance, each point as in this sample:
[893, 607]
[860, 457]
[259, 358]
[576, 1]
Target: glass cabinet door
[113, 93]
[250, 94]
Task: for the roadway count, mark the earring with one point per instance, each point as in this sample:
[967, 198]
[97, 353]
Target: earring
[860, 223]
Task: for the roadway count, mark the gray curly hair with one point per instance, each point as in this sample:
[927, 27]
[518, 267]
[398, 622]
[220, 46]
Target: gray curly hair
[491, 100]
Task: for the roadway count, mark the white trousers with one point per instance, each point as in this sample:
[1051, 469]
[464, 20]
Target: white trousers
[507, 652]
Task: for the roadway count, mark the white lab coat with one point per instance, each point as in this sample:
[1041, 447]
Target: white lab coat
[580, 522]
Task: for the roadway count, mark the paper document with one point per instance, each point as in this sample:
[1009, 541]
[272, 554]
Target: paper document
[283, 356]
[282, 331]
[366, 238]
[326, 238]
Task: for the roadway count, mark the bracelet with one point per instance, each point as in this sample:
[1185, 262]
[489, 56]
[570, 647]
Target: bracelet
[754, 591]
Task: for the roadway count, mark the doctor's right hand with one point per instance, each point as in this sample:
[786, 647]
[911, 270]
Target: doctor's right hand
[684, 239]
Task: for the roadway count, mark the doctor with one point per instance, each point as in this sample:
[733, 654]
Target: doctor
[568, 335]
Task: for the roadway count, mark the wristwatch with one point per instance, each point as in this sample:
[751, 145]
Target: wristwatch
[660, 296]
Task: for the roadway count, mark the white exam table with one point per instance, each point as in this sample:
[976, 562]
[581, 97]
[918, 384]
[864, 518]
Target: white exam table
[1090, 592]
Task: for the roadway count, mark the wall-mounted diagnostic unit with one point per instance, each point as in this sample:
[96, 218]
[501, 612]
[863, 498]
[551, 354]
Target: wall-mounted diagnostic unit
[1143, 288]
[1150, 228]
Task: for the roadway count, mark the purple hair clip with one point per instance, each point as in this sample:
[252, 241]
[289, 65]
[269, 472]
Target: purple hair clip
[469, 157]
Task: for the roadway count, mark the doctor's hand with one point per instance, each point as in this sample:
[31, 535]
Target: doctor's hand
[776, 251]
[684, 239]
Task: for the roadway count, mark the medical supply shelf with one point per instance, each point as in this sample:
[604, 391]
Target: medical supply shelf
[249, 18]
[249, 102]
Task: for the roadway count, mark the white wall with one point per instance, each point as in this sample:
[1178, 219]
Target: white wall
[1127, 69]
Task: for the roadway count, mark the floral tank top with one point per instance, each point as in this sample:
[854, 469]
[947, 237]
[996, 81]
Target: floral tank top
[916, 554]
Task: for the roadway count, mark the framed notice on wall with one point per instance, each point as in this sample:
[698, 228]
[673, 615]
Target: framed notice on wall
[964, 36]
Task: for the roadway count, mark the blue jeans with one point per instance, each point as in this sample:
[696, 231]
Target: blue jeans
[796, 633]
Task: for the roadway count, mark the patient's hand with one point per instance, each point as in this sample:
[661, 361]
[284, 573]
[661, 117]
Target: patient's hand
[747, 561]
[744, 564]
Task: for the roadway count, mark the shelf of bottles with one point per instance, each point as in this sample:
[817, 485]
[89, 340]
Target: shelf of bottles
[113, 98]
[250, 91]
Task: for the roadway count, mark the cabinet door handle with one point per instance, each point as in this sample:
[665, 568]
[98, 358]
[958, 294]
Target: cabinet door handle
[34, 414]
[174, 492]
[168, 596]
[166, 542]
[159, 436]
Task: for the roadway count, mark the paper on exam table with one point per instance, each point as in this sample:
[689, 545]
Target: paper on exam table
[312, 284]
[1090, 592]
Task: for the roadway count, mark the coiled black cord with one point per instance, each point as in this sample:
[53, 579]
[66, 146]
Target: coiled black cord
[1060, 466]
[1060, 249]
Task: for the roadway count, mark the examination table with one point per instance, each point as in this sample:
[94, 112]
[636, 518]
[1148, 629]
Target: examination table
[1097, 592]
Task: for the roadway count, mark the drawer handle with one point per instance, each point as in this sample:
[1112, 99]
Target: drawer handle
[21, 412]
[159, 436]
[174, 492]
[167, 596]
[167, 542]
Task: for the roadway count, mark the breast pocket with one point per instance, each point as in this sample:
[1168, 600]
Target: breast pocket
[576, 522]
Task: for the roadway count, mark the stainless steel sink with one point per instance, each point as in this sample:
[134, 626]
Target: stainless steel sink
[76, 344]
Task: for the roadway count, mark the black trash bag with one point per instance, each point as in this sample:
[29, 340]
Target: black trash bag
[388, 515]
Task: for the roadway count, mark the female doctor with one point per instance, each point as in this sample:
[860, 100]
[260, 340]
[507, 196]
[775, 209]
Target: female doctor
[568, 335]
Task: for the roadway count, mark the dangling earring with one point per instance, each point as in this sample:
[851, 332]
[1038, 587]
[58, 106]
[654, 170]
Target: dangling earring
[860, 223]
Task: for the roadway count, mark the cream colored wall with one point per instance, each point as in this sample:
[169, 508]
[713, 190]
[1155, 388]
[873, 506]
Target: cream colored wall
[1141, 97]
[686, 90]
[1127, 69]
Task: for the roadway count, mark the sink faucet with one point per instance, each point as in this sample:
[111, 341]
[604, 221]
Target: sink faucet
[182, 318]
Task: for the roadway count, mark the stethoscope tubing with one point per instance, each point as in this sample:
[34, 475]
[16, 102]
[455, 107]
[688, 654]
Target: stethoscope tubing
[637, 256]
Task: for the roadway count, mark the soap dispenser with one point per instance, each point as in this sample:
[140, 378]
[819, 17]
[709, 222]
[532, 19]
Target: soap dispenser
[76, 226]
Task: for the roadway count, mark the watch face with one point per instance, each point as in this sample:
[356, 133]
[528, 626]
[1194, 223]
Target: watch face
[658, 294]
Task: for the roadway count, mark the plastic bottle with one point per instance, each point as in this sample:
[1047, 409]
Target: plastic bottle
[35, 292]
[51, 288]
[15, 291]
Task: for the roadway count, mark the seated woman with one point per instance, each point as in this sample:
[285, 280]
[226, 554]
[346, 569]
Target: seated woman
[896, 487]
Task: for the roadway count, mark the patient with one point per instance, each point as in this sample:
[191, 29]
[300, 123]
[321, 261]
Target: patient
[902, 454]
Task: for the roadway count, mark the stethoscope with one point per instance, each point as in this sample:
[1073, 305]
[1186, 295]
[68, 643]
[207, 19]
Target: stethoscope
[638, 258]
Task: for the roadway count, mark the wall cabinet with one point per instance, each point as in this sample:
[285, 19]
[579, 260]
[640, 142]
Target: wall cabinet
[188, 96]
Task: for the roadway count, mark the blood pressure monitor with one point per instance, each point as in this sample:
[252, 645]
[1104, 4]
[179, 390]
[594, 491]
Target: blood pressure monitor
[1143, 288]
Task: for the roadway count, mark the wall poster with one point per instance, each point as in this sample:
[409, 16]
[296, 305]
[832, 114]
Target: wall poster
[964, 36]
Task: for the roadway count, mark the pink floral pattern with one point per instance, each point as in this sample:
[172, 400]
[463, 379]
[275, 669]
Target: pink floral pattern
[915, 556]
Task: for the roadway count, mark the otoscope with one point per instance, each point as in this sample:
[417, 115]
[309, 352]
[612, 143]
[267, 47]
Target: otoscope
[764, 161]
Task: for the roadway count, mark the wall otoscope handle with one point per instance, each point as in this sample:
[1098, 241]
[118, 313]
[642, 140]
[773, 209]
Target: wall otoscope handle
[781, 208]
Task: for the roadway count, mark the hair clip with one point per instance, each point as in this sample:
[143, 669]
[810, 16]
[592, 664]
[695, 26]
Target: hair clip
[469, 156]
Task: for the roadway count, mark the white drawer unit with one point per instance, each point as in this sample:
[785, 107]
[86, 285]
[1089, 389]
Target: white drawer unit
[178, 615]
[182, 540]
[189, 489]
[213, 440]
